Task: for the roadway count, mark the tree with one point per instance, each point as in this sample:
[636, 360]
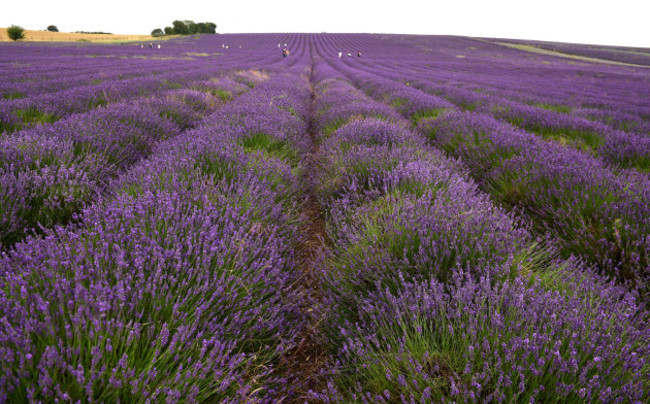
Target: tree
[15, 32]
[157, 32]
[52, 28]
[189, 27]
[180, 28]
[210, 28]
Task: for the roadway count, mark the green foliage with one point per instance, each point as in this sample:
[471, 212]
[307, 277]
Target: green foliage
[13, 95]
[93, 32]
[424, 114]
[157, 32]
[209, 28]
[272, 147]
[188, 27]
[557, 108]
[16, 32]
[34, 116]
[52, 28]
[223, 95]
[180, 28]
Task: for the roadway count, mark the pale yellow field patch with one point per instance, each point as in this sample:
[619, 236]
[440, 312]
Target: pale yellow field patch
[46, 36]
[202, 54]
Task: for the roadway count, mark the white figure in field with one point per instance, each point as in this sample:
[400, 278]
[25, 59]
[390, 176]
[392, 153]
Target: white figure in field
[223, 45]
[340, 54]
[278, 45]
[349, 55]
[158, 46]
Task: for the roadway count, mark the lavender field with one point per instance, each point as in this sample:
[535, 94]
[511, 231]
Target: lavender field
[430, 219]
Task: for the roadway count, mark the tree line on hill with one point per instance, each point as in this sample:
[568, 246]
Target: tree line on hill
[186, 27]
[16, 32]
[93, 32]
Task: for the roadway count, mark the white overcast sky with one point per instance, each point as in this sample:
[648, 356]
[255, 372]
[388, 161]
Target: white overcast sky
[612, 22]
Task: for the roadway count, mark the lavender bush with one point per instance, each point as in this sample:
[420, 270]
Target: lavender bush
[442, 219]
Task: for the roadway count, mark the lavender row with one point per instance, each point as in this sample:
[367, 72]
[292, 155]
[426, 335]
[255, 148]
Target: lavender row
[595, 214]
[16, 113]
[178, 287]
[613, 146]
[616, 147]
[62, 76]
[519, 75]
[25, 112]
[571, 88]
[51, 172]
[418, 258]
[592, 212]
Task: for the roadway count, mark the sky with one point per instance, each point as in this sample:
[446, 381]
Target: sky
[613, 22]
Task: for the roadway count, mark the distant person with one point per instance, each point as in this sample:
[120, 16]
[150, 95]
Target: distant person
[150, 45]
[340, 54]
[349, 55]
[141, 46]
[158, 46]
[284, 52]
[359, 54]
[279, 45]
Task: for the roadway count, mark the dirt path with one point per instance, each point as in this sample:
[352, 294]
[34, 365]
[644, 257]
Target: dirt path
[309, 358]
[535, 49]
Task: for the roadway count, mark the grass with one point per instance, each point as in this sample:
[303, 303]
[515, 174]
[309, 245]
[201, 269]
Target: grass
[565, 109]
[33, 115]
[580, 139]
[223, 95]
[334, 124]
[426, 114]
[271, 147]
[13, 95]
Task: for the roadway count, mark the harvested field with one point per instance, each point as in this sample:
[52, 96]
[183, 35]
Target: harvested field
[46, 36]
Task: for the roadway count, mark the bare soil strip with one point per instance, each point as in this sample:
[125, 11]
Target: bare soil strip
[309, 357]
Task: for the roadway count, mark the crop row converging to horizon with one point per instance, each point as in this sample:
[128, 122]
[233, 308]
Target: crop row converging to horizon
[364, 218]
